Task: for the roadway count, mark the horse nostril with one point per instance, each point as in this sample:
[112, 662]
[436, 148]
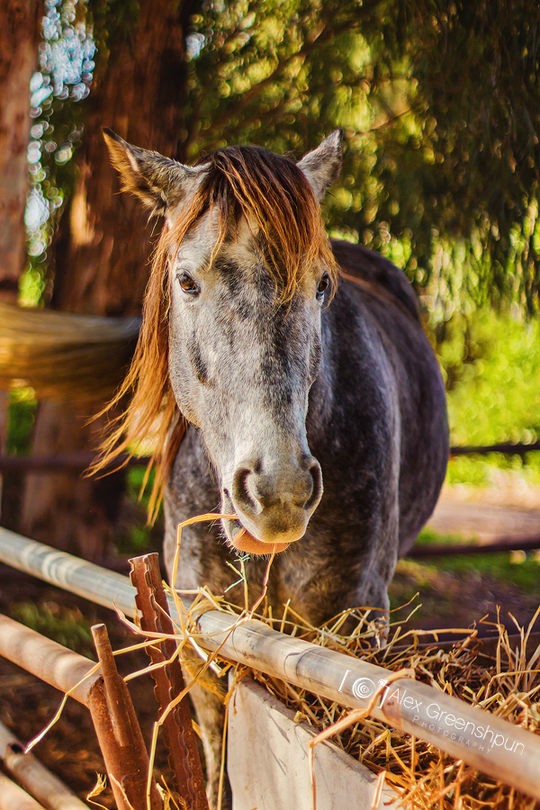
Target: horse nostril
[316, 486]
[241, 492]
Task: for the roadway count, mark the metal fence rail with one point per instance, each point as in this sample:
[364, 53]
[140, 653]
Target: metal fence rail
[506, 752]
[103, 693]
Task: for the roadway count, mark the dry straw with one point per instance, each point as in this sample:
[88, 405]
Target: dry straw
[504, 681]
[502, 677]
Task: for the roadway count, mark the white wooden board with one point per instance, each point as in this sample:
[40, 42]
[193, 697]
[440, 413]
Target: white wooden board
[268, 761]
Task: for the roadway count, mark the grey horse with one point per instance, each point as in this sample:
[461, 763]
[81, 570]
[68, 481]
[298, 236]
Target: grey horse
[295, 387]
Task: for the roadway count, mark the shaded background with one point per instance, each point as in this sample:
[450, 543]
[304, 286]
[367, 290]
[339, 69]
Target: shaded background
[440, 107]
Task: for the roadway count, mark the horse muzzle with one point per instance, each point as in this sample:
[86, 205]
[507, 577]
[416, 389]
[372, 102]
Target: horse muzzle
[273, 507]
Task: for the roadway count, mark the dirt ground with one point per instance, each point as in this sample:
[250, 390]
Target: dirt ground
[445, 600]
[507, 511]
[461, 596]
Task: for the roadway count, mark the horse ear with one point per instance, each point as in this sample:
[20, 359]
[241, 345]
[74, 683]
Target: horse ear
[322, 165]
[158, 181]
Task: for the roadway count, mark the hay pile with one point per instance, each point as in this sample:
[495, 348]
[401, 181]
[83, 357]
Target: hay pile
[501, 676]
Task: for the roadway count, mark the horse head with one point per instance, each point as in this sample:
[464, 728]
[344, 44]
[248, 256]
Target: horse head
[246, 270]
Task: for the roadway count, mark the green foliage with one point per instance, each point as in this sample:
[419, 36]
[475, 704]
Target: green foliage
[521, 571]
[492, 369]
[520, 568]
[137, 540]
[137, 536]
[477, 68]
[455, 591]
[21, 416]
[441, 110]
[439, 103]
[66, 64]
[63, 624]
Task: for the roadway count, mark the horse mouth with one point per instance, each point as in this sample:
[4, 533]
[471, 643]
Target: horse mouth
[240, 539]
[248, 544]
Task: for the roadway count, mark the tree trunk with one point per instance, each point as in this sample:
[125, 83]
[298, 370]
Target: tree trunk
[19, 32]
[101, 252]
[19, 28]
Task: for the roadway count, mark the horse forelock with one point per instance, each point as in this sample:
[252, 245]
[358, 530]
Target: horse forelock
[273, 195]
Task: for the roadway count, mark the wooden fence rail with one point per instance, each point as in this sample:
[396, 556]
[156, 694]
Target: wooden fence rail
[78, 462]
[502, 544]
[507, 752]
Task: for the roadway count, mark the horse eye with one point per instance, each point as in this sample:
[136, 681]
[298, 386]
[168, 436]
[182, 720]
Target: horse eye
[323, 286]
[187, 284]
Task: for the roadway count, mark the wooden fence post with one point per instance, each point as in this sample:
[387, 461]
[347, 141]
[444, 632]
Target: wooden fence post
[169, 681]
[120, 735]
